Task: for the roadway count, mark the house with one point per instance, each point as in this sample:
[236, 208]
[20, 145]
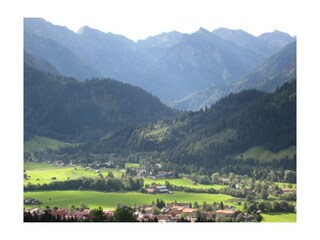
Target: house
[157, 189]
[151, 190]
[162, 218]
[148, 209]
[225, 213]
[80, 214]
[59, 212]
[224, 181]
[31, 201]
[176, 211]
[35, 211]
[108, 213]
[287, 190]
[165, 210]
[189, 210]
[190, 214]
[58, 163]
[139, 215]
[162, 189]
[148, 216]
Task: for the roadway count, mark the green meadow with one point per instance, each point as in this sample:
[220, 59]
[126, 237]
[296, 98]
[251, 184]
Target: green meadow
[43, 172]
[183, 182]
[132, 165]
[38, 143]
[259, 152]
[110, 200]
[286, 185]
[279, 217]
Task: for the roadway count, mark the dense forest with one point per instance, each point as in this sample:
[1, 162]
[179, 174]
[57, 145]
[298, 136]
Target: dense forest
[67, 109]
[210, 139]
[236, 122]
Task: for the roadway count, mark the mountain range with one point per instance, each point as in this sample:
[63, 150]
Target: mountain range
[248, 104]
[276, 70]
[169, 65]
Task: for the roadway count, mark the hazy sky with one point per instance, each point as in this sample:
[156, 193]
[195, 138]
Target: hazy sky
[138, 19]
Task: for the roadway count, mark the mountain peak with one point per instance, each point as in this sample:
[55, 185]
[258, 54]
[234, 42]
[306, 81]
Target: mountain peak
[277, 38]
[162, 40]
[88, 30]
[83, 30]
[203, 30]
[223, 29]
[275, 34]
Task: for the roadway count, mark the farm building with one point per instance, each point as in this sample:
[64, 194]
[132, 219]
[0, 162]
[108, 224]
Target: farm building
[162, 189]
[225, 213]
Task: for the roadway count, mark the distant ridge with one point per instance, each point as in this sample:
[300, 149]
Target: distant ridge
[169, 65]
[276, 70]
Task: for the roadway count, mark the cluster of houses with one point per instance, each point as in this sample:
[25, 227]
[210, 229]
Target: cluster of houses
[141, 172]
[172, 212]
[64, 213]
[157, 189]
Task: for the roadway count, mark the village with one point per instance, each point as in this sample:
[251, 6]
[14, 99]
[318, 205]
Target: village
[254, 198]
[155, 212]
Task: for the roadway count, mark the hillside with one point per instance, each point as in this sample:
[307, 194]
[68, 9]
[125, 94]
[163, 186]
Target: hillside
[216, 137]
[276, 70]
[61, 58]
[67, 109]
[169, 65]
[38, 63]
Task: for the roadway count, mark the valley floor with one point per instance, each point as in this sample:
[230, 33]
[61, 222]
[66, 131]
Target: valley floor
[279, 217]
[109, 200]
[41, 173]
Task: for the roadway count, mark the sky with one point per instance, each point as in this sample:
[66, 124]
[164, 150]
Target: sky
[139, 19]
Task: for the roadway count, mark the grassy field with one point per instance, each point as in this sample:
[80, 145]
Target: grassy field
[41, 143]
[44, 172]
[132, 165]
[39, 166]
[183, 182]
[286, 185]
[280, 217]
[259, 152]
[110, 200]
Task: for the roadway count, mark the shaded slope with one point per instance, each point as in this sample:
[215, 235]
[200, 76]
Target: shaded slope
[67, 109]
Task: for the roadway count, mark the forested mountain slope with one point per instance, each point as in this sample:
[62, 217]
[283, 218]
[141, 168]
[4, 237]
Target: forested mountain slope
[212, 138]
[67, 109]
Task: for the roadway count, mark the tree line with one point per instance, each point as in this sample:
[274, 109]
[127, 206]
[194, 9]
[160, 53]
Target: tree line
[108, 184]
